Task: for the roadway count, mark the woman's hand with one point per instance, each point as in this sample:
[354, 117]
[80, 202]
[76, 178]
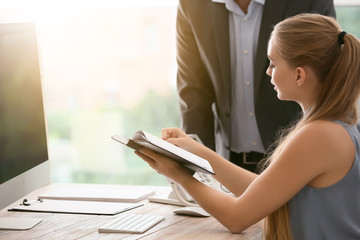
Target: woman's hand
[167, 133]
[163, 165]
[166, 166]
[182, 140]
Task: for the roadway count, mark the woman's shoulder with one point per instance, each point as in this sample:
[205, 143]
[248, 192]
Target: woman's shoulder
[323, 128]
[330, 149]
[328, 136]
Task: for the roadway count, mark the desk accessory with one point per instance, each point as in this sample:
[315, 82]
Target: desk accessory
[130, 223]
[75, 207]
[18, 223]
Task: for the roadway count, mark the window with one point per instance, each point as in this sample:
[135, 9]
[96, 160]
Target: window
[348, 15]
[108, 71]
[109, 67]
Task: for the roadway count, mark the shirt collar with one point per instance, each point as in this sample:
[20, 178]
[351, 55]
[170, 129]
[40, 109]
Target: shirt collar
[224, 1]
[260, 1]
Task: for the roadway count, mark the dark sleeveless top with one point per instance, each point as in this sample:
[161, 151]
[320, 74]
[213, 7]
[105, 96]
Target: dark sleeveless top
[331, 212]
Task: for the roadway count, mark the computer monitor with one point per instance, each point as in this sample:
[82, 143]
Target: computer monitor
[24, 162]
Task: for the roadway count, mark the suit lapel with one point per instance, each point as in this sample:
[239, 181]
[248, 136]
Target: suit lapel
[220, 25]
[272, 14]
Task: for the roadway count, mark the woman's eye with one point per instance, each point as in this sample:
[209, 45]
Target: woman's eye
[271, 66]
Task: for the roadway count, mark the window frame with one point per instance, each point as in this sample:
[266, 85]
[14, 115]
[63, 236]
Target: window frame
[344, 3]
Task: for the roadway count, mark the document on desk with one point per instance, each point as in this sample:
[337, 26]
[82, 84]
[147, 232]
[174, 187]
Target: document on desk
[104, 193]
[78, 207]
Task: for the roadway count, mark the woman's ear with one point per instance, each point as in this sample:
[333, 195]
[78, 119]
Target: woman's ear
[300, 76]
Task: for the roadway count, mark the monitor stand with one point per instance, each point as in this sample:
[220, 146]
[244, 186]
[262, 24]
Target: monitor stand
[18, 223]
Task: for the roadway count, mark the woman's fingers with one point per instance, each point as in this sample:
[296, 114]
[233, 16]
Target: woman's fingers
[152, 163]
[167, 133]
[162, 164]
[152, 158]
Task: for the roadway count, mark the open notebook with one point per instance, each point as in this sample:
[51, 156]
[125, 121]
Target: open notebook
[183, 157]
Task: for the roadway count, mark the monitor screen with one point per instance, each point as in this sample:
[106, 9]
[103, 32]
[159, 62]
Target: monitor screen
[23, 143]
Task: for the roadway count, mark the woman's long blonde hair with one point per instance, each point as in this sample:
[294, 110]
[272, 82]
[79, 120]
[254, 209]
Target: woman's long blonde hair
[312, 40]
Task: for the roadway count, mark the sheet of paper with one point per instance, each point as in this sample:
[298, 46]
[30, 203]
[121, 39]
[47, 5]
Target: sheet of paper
[111, 193]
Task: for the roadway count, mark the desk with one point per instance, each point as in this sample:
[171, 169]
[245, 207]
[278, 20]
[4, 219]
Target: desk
[78, 226]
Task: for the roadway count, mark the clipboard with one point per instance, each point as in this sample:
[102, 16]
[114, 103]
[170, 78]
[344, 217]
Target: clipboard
[75, 207]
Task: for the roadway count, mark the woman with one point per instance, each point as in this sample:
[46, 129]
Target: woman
[310, 187]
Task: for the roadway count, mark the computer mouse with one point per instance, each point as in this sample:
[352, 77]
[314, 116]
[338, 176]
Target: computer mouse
[192, 211]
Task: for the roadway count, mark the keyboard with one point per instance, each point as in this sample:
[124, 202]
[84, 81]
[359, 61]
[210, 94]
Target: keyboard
[130, 223]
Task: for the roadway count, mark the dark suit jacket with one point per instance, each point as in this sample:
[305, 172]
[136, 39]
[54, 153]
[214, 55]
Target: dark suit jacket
[204, 76]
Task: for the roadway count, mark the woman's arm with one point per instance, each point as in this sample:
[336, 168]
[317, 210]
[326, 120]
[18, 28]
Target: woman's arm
[320, 152]
[233, 177]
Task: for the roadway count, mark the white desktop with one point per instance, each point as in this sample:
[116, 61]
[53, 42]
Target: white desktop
[24, 183]
[24, 162]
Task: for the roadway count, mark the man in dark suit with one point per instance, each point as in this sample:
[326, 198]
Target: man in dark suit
[225, 94]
